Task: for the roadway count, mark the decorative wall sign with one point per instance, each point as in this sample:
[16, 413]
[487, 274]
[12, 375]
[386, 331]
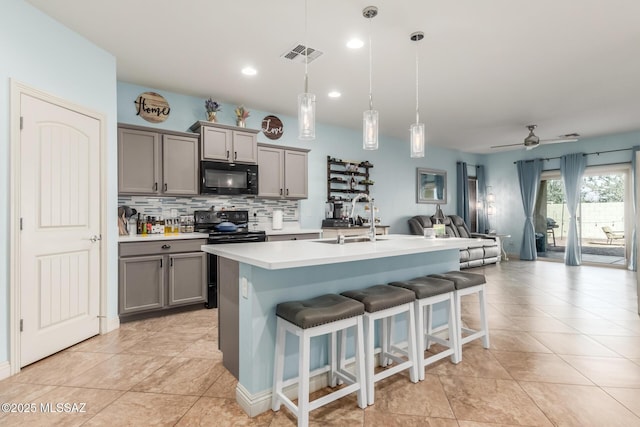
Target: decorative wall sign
[152, 107]
[272, 127]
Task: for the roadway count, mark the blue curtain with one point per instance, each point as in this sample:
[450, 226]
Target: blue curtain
[439, 181]
[572, 169]
[462, 194]
[632, 262]
[483, 218]
[529, 172]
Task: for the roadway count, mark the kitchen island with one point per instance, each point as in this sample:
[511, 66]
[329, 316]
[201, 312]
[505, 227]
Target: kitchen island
[255, 277]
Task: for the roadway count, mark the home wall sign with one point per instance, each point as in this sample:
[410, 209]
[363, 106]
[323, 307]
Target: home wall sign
[152, 107]
[272, 127]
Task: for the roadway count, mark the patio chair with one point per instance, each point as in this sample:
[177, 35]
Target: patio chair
[612, 235]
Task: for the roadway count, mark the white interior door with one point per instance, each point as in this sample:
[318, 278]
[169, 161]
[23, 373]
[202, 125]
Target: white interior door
[60, 228]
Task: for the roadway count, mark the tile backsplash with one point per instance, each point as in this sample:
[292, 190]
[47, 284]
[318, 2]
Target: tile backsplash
[262, 208]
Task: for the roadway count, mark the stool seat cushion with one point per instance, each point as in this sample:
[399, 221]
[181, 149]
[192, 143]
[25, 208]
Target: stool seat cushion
[381, 297]
[425, 287]
[462, 279]
[319, 310]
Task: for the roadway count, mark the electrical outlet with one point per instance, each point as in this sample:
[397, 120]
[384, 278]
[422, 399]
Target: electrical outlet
[244, 285]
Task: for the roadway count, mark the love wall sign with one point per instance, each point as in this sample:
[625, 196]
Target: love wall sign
[272, 127]
[152, 107]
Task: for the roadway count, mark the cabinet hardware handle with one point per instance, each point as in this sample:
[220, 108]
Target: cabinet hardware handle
[235, 155]
[155, 186]
[171, 262]
[166, 246]
[287, 191]
[160, 262]
[281, 191]
[165, 186]
[227, 154]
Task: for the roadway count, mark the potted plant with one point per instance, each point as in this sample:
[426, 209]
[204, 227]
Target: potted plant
[212, 108]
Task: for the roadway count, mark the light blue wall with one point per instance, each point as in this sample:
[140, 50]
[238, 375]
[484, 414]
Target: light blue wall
[503, 177]
[394, 171]
[45, 55]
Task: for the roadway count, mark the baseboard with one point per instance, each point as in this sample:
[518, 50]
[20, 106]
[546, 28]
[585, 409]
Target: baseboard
[256, 404]
[108, 324]
[5, 370]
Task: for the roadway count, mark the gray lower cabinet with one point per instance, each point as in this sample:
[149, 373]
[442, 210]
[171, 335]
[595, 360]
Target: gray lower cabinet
[162, 274]
[297, 236]
[157, 162]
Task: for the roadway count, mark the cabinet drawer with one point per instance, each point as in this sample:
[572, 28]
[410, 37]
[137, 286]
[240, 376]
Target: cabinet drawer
[299, 236]
[161, 247]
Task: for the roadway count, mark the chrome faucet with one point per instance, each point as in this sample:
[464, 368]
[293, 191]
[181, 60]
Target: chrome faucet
[372, 228]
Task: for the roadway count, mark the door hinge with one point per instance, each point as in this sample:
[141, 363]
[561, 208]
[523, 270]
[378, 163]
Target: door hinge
[21, 325]
[21, 122]
[20, 223]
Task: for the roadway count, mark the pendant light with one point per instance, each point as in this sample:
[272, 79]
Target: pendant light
[306, 100]
[417, 129]
[370, 117]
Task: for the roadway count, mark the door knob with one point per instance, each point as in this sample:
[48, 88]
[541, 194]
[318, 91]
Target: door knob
[95, 238]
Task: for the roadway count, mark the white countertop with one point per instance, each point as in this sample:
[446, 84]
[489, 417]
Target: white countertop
[304, 253]
[155, 237]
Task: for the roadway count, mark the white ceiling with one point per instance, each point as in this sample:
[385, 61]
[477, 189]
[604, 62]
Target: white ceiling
[487, 68]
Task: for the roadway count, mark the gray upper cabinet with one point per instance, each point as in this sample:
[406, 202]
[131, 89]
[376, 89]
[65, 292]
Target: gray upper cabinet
[138, 161]
[282, 172]
[226, 143]
[157, 162]
[179, 165]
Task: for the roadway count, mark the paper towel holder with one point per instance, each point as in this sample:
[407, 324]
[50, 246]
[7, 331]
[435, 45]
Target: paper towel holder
[277, 218]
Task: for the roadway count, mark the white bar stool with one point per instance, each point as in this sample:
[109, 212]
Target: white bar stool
[323, 315]
[467, 284]
[385, 302]
[430, 291]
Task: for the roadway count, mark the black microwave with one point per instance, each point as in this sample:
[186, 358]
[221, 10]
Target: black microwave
[228, 178]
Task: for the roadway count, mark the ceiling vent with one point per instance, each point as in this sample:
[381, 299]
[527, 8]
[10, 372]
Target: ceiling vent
[297, 53]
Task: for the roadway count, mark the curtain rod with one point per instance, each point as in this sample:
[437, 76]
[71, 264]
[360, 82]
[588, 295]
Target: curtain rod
[468, 164]
[597, 153]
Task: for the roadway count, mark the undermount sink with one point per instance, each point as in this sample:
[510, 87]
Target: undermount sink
[349, 240]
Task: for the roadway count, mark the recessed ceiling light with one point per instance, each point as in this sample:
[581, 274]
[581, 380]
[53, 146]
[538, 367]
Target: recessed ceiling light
[334, 94]
[249, 71]
[355, 44]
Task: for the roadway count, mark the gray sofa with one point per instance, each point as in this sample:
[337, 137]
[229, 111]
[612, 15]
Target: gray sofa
[485, 250]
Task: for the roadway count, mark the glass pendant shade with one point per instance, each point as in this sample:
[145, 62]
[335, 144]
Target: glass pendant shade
[306, 116]
[417, 139]
[370, 130]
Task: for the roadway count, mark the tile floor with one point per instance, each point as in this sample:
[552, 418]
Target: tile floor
[565, 351]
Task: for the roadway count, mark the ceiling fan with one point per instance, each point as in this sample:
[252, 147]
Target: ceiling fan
[532, 140]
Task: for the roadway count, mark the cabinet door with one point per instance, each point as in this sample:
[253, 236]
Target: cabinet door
[141, 284]
[216, 144]
[245, 149]
[187, 278]
[270, 172]
[138, 162]
[295, 174]
[179, 165]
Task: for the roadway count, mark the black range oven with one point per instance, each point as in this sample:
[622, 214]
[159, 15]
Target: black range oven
[210, 222]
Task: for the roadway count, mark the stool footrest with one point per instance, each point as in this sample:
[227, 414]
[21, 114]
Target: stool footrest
[391, 371]
[321, 401]
[432, 359]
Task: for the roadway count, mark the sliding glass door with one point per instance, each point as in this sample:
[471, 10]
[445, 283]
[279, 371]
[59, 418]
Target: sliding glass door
[602, 215]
